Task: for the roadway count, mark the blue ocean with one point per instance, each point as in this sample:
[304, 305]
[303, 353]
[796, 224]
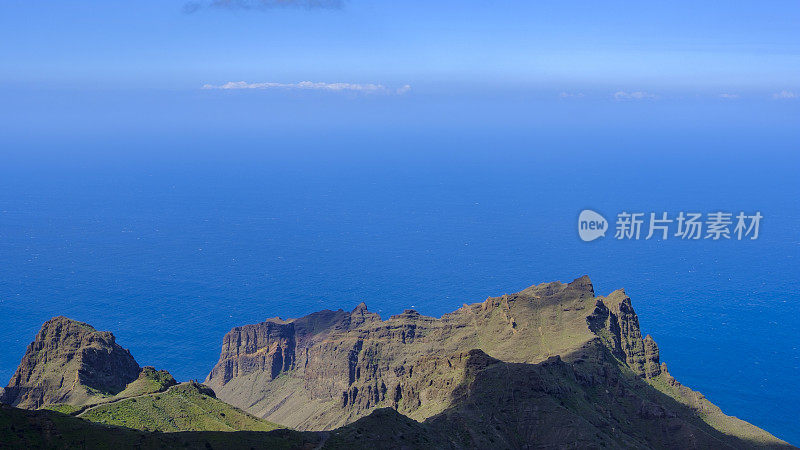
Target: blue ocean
[170, 229]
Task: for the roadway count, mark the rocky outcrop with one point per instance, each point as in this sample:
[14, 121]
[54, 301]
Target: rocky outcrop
[340, 365]
[551, 366]
[652, 366]
[69, 362]
[276, 346]
[617, 324]
[553, 358]
[266, 347]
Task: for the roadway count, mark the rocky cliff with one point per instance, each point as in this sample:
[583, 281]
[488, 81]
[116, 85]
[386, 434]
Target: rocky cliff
[616, 323]
[74, 369]
[339, 365]
[552, 366]
[553, 358]
[69, 362]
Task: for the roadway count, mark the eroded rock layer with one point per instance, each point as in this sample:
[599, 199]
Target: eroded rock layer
[330, 368]
[69, 362]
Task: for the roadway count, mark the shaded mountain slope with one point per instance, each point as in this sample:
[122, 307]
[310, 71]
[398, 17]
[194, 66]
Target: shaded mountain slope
[552, 366]
[589, 403]
[577, 366]
[25, 429]
[385, 428]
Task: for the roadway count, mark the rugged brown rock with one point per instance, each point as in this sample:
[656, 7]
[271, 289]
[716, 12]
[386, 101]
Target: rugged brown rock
[336, 361]
[615, 321]
[550, 364]
[69, 362]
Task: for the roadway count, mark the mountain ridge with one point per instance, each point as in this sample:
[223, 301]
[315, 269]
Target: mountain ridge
[548, 366]
[332, 368]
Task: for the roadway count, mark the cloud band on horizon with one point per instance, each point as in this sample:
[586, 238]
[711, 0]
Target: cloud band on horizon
[369, 88]
[636, 95]
[196, 5]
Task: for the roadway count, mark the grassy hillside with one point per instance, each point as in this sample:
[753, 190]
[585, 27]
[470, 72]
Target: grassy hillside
[184, 407]
[410, 381]
[149, 381]
[26, 429]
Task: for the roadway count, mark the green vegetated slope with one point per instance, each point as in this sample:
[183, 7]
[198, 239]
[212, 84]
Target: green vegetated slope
[26, 429]
[149, 381]
[184, 407]
[73, 369]
[552, 366]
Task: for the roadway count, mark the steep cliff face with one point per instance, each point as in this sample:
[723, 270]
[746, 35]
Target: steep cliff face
[266, 347]
[588, 403]
[552, 358]
[69, 362]
[551, 366]
[616, 323]
[339, 365]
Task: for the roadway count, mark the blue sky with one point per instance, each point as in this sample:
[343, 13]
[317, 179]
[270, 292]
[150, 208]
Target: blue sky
[698, 47]
[128, 77]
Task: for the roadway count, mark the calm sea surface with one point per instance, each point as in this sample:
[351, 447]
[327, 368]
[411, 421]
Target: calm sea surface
[170, 252]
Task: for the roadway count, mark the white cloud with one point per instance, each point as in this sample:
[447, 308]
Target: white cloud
[636, 95]
[729, 96]
[785, 95]
[196, 5]
[368, 88]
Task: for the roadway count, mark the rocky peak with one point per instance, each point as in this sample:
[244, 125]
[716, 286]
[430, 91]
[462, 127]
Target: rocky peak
[582, 284]
[578, 290]
[69, 362]
[617, 325]
[360, 315]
